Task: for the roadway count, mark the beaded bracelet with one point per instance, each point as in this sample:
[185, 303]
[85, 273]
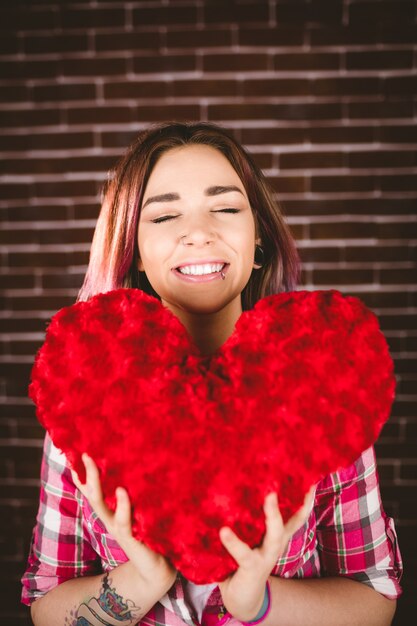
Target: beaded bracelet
[265, 608]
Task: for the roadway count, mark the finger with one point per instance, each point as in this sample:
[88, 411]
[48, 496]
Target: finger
[299, 518]
[123, 512]
[274, 525]
[94, 493]
[239, 550]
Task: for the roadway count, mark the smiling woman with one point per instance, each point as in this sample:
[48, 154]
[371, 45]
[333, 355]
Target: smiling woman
[229, 183]
[188, 218]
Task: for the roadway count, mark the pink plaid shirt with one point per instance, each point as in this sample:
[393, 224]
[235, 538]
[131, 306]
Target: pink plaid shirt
[347, 534]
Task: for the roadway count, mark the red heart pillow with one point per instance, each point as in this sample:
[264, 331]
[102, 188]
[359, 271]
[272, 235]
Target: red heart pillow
[300, 389]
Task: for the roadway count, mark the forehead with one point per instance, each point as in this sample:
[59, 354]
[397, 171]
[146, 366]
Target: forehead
[187, 165]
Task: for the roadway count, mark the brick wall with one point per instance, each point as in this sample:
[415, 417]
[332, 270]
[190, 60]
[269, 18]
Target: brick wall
[321, 92]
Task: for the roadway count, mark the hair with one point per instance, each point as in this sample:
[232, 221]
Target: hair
[114, 252]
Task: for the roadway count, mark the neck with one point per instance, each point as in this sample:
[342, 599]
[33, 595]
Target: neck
[209, 330]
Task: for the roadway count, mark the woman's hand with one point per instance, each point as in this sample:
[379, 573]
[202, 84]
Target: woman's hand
[153, 568]
[243, 592]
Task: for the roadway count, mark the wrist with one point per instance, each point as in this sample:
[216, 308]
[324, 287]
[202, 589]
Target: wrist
[265, 607]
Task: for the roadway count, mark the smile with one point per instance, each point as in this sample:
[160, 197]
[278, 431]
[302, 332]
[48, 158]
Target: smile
[200, 270]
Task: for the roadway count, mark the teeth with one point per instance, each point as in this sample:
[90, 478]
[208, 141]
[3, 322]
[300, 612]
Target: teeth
[199, 270]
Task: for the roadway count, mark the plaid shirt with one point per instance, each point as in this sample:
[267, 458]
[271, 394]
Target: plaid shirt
[346, 534]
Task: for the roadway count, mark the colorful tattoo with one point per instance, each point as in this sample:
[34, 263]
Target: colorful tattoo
[109, 609]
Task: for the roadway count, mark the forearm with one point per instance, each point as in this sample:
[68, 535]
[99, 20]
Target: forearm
[121, 597]
[327, 602]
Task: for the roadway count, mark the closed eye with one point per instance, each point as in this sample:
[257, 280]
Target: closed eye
[228, 210]
[163, 218]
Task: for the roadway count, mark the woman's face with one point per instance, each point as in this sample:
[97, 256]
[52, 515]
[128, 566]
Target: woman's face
[196, 231]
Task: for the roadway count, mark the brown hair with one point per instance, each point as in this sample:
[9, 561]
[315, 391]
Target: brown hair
[114, 251]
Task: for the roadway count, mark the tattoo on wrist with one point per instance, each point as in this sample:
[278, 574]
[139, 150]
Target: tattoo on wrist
[109, 609]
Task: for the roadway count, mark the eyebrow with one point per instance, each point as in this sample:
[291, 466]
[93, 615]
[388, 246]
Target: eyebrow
[215, 190]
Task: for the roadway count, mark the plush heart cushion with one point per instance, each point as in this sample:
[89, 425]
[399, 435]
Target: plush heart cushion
[302, 387]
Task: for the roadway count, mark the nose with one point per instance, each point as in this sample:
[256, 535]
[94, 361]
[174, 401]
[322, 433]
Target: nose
[199, 233]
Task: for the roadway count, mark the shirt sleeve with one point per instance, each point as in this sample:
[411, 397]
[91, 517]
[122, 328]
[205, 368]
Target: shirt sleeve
[60, 548]
[355, 537]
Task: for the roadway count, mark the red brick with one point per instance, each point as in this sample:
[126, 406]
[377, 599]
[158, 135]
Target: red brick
[377, 253]
[342, 276]
[206, 88]
[397, 230]
[199, 37]
[64, 188]
[382, 158]
[36, 213]
[397, 133]
[401, 276]
[403, 321]
[398, 182]
[17, 281]
[136, 89]
[336, 86]
[345, 183]
[318, 11]
[9, 44]
[218, 12]
[342, 230]
[383, 299]
[311, 160]
[16, 190]
[100, 115]
[379, 59]
[241, 62]
[276, 87]
[47, 141]
[93, 67]
[274, 111]
[270, 36]
[118, 139]
[16, 93]
[95, 163]
[29, 117]
[342, 134]
[63, 280]
[137, 40]
[17, 69]
[29, 17]
[22, 325]
[280, 136]
[64, 92]
[48, 44]
[53, 302]
[398, 33]
[163, 112]
[354, 206]
[48, 259]
[85, 211]
[24, 347]
[150, 16]
[337, 35]
[96, 17]
[289, 184]
[388, 12]
[164, 63]
[405, 85]
[320, 255]
[310, 61]
[380, 109]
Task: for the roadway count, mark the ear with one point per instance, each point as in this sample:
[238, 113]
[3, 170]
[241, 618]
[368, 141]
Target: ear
[257, 265]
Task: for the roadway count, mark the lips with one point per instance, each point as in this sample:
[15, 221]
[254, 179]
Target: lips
[197, 271]
[201, 269]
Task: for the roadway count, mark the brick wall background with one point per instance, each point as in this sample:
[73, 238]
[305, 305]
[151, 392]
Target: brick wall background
[321, 92]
